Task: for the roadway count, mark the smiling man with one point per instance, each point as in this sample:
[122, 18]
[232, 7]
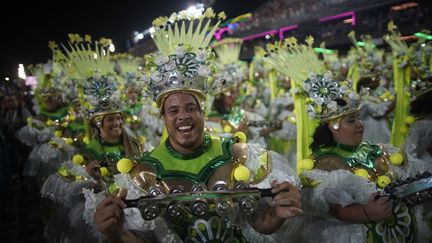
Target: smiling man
[190, 158]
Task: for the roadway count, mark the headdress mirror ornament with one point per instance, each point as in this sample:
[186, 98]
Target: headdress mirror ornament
[231, 70]
[422, 62]
[49, 82]
[129, 69]
[99, 91]
[368, 57]
[326, 98]
[184, 60]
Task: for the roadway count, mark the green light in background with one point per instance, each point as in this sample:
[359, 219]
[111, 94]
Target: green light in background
[361, 43]
[423, 35]
[323, 50]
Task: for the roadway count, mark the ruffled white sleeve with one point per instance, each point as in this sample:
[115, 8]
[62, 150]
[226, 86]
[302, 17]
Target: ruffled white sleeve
[338, 187]
[280, 171]
[32, 136]
[417, 143]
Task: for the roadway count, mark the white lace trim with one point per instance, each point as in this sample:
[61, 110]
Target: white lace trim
[124, 181]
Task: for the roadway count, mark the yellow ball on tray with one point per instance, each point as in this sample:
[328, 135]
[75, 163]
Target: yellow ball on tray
[78, 159]
[241, 137]
[104, 171]
[383, 181]
[124, 165]
[307, 164]
[69, 141]
[362, 173]
[396, 159]
[58, 133]
[227, 129]
[241, 173]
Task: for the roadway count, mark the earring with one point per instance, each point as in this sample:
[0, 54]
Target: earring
[335, 125]
[98, 124]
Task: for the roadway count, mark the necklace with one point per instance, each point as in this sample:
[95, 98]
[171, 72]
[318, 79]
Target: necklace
[204, 147]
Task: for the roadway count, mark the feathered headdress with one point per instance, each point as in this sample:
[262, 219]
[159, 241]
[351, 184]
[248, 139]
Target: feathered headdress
[316, 93]
[327, 98]
[129, 69]
[183, 62]
[99, 90]
[231, 70]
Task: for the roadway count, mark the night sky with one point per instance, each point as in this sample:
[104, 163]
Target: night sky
[29, 25]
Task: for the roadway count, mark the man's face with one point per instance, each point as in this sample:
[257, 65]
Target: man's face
[53, 102]
[9, 103]
[184, 121]
[230, 97]
[350, 130]
[111, 126]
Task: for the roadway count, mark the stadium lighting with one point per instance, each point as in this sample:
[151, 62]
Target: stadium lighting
[111, 47]
[21, 71]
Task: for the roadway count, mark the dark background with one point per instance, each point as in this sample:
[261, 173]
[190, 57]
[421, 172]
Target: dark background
[27, 26]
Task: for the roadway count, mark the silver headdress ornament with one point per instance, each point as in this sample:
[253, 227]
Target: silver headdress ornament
[422, 63]
[129, 69]
[326, 98]
[99, 91]
[231, 70]
[183, 62]
[368, 57]
[51, 76]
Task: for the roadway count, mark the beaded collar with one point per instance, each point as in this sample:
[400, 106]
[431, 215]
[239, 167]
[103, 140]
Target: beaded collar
[363, 154]
[203, 148]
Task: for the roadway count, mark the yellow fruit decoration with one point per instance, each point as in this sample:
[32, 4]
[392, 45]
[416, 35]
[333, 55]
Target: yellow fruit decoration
[86, 140]
[57, 133]
[104, 171]
[241, 137]
[124, 165]
[227, 129]
[72, 118]
[142, 139]
[307, 164]
[49, 122]
[29, 121]
[241, 173]
[383, 181]
[409, 119]
[128, 120]
[396, 159]
[403, 129]
[113, 188]
[362, 173]
[78, 159]
[69, 141]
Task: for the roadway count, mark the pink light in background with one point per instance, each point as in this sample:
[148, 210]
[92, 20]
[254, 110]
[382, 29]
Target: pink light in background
[218, 33]
[339, 16]
[251, 37]
[30, 81]
[285, 29]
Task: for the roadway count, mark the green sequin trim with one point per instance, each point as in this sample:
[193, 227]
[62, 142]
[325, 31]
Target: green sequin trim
[363, 154]
[59, 114]
[204, 147]
[203, 174]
